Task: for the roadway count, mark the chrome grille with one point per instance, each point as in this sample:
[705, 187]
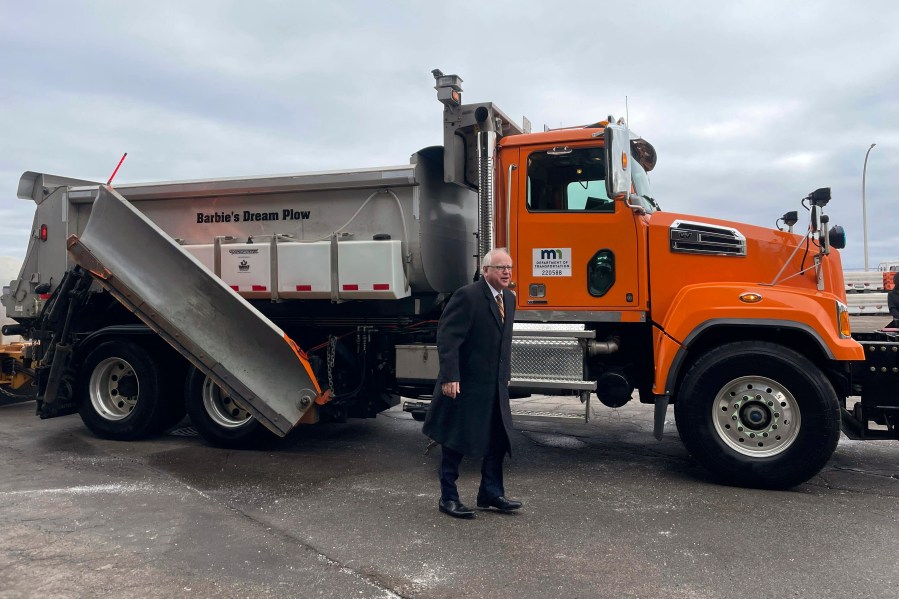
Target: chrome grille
[702, 238]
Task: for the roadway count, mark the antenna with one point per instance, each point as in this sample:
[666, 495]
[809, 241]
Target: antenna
[112, 176]
[627, 114]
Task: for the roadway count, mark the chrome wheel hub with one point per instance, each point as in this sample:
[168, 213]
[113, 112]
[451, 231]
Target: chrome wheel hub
[222, 409]
[113, 389]
[756, 416]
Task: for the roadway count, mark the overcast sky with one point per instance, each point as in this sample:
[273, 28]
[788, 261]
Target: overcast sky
[750, 105]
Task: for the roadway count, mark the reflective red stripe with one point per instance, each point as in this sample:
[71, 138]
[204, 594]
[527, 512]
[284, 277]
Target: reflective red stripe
[382, 286]
[235, 287]
[351, 287]
[304, 287]
[259, 287]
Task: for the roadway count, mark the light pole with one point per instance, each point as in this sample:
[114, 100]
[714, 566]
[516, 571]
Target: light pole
[864, 208]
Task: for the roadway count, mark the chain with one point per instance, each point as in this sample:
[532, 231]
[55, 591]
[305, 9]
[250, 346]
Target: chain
[365, 333]
[362, 335]
[332, 350]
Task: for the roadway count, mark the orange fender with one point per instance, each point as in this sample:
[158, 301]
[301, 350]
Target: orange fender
[697, 308]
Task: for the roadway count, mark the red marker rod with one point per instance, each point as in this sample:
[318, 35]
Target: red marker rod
[112, 176]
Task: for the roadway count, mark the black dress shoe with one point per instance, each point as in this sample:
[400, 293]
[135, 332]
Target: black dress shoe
[455, 509]
[500, 503]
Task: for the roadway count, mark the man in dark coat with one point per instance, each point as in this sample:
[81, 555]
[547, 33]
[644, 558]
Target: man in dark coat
[893, 302]
[469, 413]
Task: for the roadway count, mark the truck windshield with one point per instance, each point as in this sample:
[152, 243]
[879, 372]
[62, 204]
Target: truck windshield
[573, 180]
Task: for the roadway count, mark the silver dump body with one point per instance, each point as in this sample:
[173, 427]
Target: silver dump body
[229, 223]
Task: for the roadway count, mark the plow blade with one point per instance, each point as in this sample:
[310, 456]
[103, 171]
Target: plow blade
[249, 357]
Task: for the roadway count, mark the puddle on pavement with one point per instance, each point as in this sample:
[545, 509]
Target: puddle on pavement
[555, 440]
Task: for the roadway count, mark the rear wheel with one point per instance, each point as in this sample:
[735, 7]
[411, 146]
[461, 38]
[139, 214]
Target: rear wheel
[217, 417]
[758, 414]
[122, 394]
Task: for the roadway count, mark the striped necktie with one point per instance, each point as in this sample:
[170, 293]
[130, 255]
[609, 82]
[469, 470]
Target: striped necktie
[502, 310]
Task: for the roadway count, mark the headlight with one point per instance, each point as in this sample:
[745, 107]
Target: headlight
[843, 320]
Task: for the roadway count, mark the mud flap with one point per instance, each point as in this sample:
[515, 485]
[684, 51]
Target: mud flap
[195, 312]
[661, 410]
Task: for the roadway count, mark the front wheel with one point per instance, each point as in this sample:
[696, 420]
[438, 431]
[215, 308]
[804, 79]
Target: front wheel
[217, 417]
[757, 414]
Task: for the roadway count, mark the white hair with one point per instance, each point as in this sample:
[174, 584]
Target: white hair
[489, 256]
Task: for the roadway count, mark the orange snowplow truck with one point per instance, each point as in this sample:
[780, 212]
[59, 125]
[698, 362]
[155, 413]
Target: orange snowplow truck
[279, 300]
[743, 328]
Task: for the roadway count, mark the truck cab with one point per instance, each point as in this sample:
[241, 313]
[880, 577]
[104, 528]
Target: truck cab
[576, 248]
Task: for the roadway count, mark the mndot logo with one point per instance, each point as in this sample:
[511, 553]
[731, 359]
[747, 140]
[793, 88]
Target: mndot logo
[551, 254]
[551, 262]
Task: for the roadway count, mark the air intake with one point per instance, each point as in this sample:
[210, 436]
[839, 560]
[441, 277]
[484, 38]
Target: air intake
[701, 238]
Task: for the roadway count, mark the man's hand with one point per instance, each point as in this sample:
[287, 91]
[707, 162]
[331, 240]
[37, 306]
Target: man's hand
[451, 389]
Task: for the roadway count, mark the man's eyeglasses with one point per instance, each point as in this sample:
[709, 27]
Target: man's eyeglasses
[503, 268]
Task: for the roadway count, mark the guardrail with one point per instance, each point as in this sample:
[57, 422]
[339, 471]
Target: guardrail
[866, 292]
[861, 282]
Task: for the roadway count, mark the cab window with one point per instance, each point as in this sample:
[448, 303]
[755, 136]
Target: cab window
[568, 180]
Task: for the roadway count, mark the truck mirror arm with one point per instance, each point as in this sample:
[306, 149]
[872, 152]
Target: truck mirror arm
[635, 207]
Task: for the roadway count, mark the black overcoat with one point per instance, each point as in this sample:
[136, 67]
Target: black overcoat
[893, 302]
[475, 348]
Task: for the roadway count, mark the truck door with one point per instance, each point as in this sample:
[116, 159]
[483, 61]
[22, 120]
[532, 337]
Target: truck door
[576, 250]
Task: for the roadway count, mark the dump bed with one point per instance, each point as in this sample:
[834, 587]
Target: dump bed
[397, 230]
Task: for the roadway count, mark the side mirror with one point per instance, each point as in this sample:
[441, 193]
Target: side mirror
[618, 161]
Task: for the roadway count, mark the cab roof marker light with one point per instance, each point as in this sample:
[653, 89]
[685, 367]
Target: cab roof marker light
[750, 297]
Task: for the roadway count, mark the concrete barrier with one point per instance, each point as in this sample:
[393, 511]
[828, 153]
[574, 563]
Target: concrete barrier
[862, 282]
[867, 304]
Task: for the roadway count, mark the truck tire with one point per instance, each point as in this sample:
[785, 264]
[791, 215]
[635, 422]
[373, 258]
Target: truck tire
[756, 414]
[122, 394]
[217, 418]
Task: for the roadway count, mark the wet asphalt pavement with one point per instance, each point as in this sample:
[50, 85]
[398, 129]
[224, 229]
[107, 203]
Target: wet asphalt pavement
[350, 510]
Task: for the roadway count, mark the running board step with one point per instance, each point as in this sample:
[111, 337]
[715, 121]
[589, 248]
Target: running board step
[538, 416]
[554, 384]
[550, 358]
